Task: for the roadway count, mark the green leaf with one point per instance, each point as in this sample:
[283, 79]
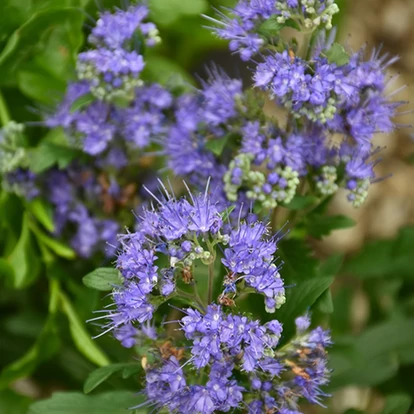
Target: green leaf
[102, 278]
[100, 375]
[299, 298]
[321, 225]
[397, 404]
[81, 102]
[385, 258]
[325, 303]
[272, 28]
[13, 403]
[56, 246]
[40, 85]
[46, 345]
[300, 202]
[226, 213]
[166, 12]
[332, 265]
[6, 270]
[374, 356]
[116, 402]
[80, 336]
[43, 213]
[337, 54]
[23, 258]
[163, 70]
[216, 145]
[48, 154]
[22, 43]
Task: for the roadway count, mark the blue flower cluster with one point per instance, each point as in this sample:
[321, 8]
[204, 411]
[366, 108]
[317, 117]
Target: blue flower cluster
[225, 343]
[255, 24]
[185, 233]
[238, 357]
[113, 68]
[334, 105]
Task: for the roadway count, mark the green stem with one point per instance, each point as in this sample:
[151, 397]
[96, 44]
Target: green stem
[4, 112]
[305, 45]
[210, 282]
[193, 300]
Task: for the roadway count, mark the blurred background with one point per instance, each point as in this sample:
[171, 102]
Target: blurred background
[373, 295]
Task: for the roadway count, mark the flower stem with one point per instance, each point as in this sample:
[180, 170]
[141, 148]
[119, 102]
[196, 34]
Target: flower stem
[210, 282]
[4, 112]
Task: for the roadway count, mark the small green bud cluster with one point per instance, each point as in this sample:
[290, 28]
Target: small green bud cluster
[12, 152]
[106, 91]
[358, 195]
[309, 13]
[326, 181]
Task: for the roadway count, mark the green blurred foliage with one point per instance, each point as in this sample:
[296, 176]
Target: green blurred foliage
[42, 299]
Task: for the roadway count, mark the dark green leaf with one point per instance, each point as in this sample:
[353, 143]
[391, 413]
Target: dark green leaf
[6, 270]
[332, 265]
[13, 403]
[166, 12]
[385, 258]
[300, 202]
[116, 402]
[375, 355]
[102, 278]
[397, 404]
[80, 336]
[325, 303]
[22, 42]
[338, 55]
[320, 225]
[81, 102]
[46, 345]
[100, 375]
[272, 28]
[216, 145]
[299, 298]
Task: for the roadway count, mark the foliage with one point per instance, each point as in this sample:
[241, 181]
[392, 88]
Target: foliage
[47, 291]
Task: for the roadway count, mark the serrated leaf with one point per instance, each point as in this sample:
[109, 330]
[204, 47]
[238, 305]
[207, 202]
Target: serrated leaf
[82, 101]
[337, 54]
[102, 278]
[100, 375]
[116, 402]
[397, 404]
[217, 145]
[322, 225]
[80, 336]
